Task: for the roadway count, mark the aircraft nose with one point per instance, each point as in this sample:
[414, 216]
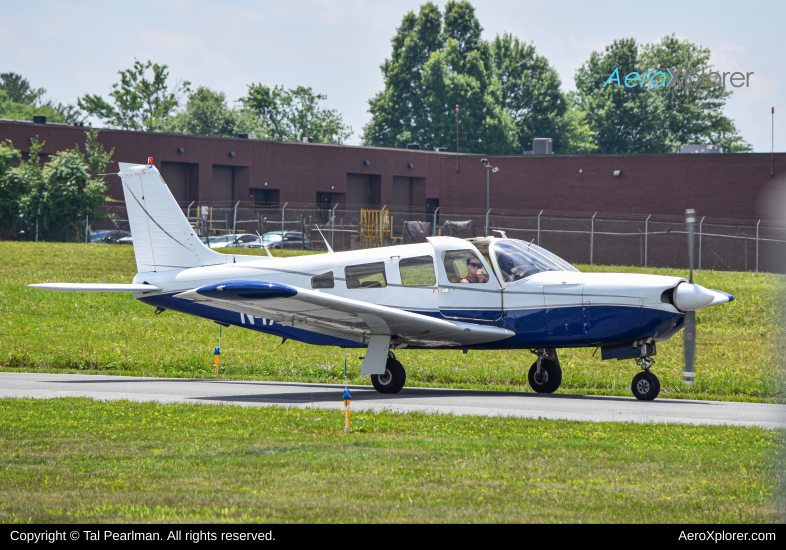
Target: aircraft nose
[692, 297]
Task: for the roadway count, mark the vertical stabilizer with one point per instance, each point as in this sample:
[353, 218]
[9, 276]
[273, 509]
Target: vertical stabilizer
[163, 238]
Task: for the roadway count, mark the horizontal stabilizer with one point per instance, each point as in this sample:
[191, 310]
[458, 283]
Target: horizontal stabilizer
[98, 287]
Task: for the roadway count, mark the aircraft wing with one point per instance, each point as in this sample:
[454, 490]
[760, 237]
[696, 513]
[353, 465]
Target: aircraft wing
[341, 317]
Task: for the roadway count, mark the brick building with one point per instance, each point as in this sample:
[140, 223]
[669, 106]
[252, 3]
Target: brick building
[210, 170]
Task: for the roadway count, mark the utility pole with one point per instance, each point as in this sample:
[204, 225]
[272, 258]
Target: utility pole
[457, 140]
[493, 169]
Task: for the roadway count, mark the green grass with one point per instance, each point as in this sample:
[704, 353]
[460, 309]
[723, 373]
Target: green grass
[114, 334]
[77, 460]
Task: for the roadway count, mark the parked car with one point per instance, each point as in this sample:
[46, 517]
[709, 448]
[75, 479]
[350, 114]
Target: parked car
[241, 240]
[290, 240]
[126, 240]
[110, 236]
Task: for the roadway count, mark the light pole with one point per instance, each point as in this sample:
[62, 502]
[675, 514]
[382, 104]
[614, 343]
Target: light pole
[488, 208]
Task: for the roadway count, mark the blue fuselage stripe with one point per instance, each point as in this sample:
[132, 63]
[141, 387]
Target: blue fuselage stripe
[559, 327]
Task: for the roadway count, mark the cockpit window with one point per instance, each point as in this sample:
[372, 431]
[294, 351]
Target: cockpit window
[517, 261]
[553, 257]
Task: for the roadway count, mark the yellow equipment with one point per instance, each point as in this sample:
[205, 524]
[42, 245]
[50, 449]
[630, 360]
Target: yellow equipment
[376, 227]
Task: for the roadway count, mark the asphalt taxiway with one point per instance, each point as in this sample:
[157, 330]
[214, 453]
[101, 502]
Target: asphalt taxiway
[249, 393]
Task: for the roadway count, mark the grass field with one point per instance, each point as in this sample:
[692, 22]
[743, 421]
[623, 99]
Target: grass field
[114, 334]
[77, 460]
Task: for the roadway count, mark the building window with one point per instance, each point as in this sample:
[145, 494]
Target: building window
[417, 271]
[366, 275]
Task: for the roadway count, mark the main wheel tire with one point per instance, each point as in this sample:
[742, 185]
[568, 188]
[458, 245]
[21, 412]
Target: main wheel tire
[550, 379]
[645, 386]
[392, 380]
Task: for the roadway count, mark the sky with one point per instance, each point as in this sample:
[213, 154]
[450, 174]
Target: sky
[336, 47]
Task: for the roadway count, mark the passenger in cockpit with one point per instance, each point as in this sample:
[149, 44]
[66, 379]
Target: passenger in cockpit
[475, 272]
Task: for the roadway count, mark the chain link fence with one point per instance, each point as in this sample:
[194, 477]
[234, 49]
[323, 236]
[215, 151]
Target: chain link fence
[602, 238]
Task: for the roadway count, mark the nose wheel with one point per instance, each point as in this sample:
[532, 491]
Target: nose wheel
[645, 385]
[545, 374]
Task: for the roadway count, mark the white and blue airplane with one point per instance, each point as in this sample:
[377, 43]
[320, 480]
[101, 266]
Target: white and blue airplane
[485, 293]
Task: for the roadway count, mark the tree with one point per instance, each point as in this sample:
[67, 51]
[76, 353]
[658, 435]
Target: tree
[18, 89]
[513, 85]
[647, 119]
[439, 62]
[532, 96]
[291, 115]
[691, 115]
[451, 79]
[64, 191]
[625, 119]
[20, 101]
[399, 114]
[12, 187]
[207, 114]
[140, 103]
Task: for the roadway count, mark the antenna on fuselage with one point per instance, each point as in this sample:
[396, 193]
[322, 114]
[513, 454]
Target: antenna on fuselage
[330, 250]
[263, 244]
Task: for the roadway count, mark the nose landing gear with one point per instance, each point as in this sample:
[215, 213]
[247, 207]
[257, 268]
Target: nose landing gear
[645, 385]
[545, 374]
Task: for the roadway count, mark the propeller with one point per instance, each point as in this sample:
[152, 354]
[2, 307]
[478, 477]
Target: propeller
[689, 345]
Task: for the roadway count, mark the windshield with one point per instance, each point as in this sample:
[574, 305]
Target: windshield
[517, 260]
[553, 257]
[275, 237]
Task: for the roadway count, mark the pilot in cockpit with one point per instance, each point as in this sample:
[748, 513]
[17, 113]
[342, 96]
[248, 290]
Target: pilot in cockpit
[475, 272]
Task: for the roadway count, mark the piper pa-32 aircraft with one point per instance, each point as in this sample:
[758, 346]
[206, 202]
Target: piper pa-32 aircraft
[483, 293]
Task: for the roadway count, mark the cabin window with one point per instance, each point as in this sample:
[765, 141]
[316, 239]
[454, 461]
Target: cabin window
[366, 275]
[464, 266]
[417, 271]
[325, 280]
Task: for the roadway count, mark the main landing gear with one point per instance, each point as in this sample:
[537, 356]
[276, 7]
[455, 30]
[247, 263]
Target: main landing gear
[646, 385]
[393, 379]
[545, 374]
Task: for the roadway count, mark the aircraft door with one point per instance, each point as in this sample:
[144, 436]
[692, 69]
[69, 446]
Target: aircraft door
[565, 313]
[479, 297]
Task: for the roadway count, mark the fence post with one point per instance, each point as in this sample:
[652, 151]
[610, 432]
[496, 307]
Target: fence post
[592, 237]
[333, 225]
[646, 237]
[234, 224]
[302, 232]
[541, 212]
[87, 228]
[283, 208]
[36, 230]
[487, 222]
[434, 223]
[757, 245]
[701, 222]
